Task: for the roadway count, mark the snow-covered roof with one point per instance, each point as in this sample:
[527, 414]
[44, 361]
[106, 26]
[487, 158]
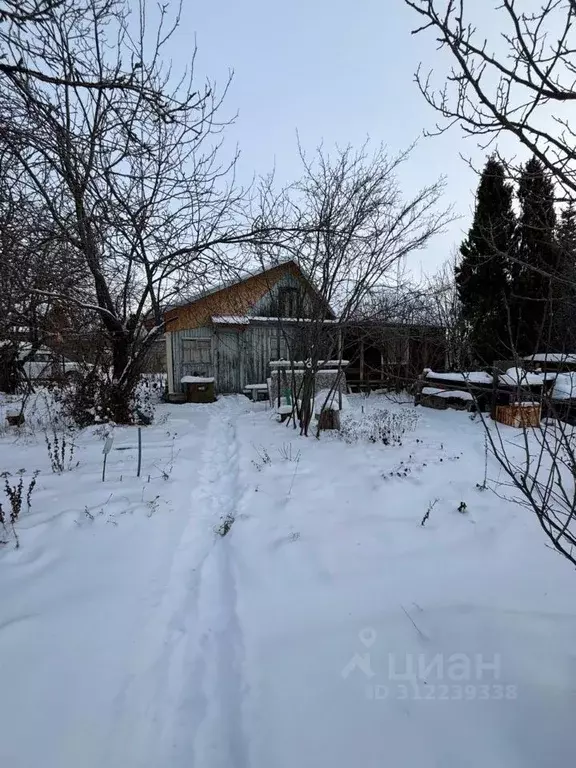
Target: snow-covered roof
[459, 394]
[247, 319]
[197, 380]
[302, 364]
[470, 377]
[564, 386]
[241, 275]
[292, 319]
[230, 319]
[552, 357]
[520, 377]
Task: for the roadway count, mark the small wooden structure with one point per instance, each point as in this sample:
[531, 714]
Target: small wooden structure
[470, 390]
[329, 419]
[255, 390]
[15, 419]
[287, 376]
[519, 414]
[551, 361]
[232, 332]
[440, 399]
[199, 389]
[512, 396]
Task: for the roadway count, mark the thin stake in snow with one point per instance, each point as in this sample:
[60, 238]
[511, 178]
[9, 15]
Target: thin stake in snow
[416, 627]
[430, 508]
[296, 462]
[139, 451]
[106, 450]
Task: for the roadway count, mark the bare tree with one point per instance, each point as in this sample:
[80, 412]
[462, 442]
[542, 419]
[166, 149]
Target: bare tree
[26, 11]
[34, 264]
[27, 49]
[355, 227]
[130, 178]
[520, 82]
[516, 79]
[539, 461]
[444, 309]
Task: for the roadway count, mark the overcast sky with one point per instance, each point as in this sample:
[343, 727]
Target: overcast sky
[335, 71]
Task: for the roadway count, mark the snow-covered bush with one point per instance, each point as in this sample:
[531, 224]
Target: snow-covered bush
[82, 397]
[143, 401]
[379, 426]
[86, 398]
[157, 384]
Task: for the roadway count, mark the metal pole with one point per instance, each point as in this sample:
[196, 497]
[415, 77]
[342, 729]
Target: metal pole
[107, 447]
[139, 451]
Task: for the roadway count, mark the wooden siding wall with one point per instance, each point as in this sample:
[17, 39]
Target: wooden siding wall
[241, 355]
[237, 361]
[178, 366]
[261, 346]
[238, 299]
[268, 304]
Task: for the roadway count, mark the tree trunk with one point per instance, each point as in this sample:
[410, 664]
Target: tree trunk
[9, 369]
[124, 380]
[306, 410]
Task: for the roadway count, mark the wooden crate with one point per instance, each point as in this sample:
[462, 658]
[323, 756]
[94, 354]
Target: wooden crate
[520, 415]
[200, 391]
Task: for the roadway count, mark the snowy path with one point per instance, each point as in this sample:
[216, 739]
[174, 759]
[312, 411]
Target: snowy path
[220, 740]
[136, 610]
[184, 691]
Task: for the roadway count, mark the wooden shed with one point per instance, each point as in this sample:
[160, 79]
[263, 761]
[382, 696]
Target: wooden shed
[233, 331]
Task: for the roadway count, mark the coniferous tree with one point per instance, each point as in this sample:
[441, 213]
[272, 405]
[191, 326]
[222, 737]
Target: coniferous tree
[565, 287]
[482, 274]
[533, 300]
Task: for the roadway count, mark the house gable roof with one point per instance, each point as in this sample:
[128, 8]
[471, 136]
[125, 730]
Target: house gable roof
[234, 299]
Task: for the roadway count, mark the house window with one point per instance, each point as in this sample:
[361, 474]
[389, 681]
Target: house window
[196, 351]
[288, 302]
[196, 356]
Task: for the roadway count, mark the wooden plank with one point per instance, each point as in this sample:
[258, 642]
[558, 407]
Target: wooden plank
[228, 362]
[169, 362]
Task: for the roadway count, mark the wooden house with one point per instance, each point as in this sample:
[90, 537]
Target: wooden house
[232, 332]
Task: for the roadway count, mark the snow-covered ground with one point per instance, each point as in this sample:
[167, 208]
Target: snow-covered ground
[327, 628]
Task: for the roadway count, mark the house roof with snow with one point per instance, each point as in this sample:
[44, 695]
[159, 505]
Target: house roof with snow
[238, 301]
